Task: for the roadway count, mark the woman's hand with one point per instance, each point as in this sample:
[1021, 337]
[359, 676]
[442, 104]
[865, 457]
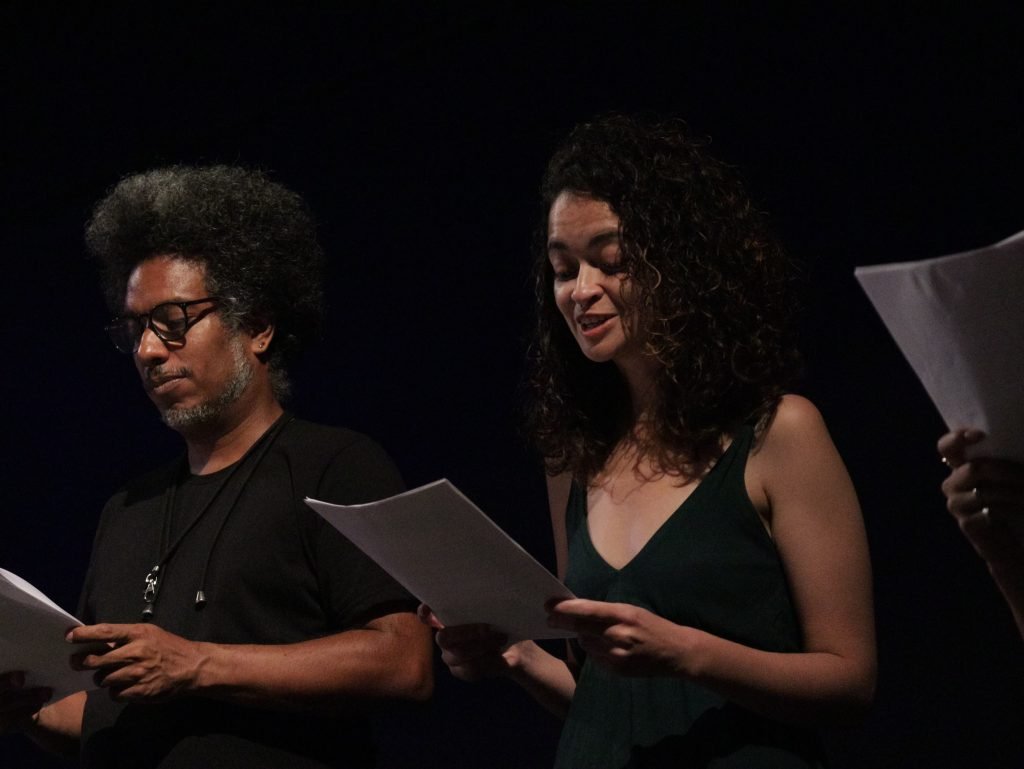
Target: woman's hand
[986, 497]
[629, 640]
[471, 652]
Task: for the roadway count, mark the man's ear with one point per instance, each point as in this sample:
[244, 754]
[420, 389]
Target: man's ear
[262, 339]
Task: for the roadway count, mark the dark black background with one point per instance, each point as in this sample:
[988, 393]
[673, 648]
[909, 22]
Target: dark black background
[418, 133]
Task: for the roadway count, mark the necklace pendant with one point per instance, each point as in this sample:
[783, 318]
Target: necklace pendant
[149, 594]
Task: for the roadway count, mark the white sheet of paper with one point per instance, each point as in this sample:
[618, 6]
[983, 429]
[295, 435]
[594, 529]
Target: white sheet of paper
[439, 546]
[32, 630]
[959, 320]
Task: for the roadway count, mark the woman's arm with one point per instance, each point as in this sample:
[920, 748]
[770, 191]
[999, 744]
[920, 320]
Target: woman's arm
[472, 652]
[986, 497]
[797, 476]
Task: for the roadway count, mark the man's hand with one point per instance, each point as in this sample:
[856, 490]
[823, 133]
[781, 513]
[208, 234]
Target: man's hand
[18, 705]
[144, 664]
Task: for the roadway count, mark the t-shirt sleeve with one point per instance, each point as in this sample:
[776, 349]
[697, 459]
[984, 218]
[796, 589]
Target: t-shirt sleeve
[86, 611]
[355, 588]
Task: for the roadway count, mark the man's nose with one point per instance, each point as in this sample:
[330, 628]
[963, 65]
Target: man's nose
[151, 347]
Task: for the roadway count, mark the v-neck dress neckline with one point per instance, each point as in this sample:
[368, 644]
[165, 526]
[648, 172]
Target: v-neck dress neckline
[663, 529]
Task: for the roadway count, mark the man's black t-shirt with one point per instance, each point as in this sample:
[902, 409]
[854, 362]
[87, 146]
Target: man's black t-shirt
[272, 572]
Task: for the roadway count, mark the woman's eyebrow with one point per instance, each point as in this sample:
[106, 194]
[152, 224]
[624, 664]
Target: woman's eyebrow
[596, 241]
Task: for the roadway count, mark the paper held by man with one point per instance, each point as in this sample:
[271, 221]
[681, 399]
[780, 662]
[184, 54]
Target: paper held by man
[452, 557]
[959, 320]
[32, 630]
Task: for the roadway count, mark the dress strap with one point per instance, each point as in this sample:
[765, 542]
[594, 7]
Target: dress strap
[575, 509]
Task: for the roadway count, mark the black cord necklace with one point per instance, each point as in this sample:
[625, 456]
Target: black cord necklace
[251, 460]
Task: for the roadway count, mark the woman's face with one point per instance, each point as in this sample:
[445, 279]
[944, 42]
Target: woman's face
[590, 286]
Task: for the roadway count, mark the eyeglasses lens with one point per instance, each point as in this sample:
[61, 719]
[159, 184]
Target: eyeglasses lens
[168, 321]
[125, 333]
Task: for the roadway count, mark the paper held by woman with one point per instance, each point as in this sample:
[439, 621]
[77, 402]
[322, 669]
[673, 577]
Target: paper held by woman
[446, 552]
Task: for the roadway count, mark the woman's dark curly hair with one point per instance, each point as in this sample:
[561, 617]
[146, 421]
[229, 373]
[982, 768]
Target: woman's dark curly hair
[255, 238]
[710, 287]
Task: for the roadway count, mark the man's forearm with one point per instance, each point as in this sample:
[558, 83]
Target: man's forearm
[388, 659]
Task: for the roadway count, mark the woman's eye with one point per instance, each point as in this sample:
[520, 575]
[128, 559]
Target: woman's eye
[563, 274]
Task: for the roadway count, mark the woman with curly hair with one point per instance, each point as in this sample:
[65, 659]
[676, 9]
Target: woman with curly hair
[701, 514]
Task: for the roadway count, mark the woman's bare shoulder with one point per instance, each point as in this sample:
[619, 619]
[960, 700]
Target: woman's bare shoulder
[795, 422]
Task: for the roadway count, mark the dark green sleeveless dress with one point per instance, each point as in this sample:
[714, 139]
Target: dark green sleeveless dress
[711, 566]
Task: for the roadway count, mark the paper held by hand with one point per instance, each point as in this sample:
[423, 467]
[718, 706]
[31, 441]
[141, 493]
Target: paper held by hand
[32, 630]
[438, 545]
[959, 320]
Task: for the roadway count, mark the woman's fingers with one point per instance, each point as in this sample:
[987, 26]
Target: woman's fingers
[953, 445]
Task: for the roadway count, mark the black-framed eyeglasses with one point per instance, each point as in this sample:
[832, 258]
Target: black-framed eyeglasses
[170, 321]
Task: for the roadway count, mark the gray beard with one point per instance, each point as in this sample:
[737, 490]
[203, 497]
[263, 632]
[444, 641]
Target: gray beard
[206, 415]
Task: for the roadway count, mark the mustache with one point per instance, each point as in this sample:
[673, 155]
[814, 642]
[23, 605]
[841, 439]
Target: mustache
[156, 375]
